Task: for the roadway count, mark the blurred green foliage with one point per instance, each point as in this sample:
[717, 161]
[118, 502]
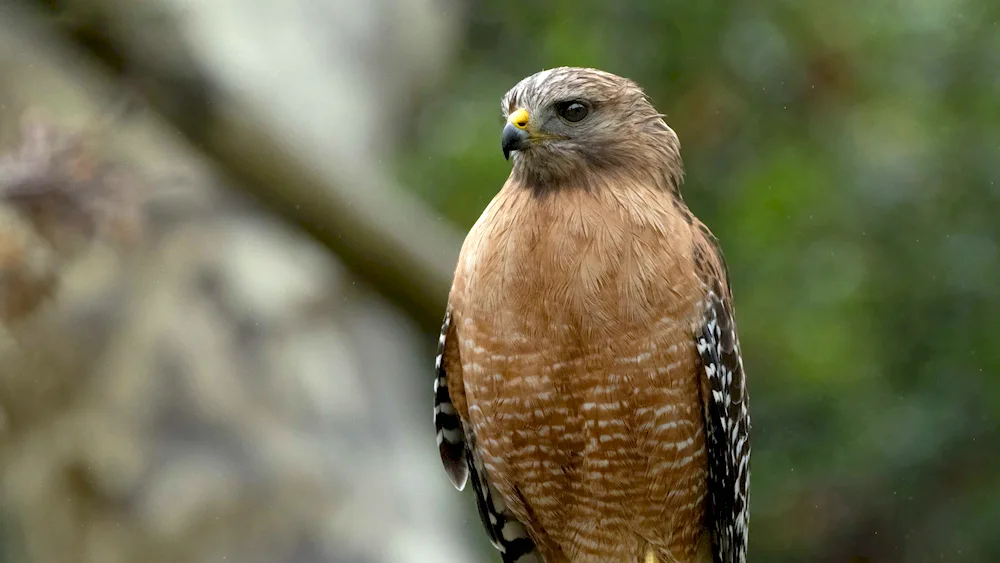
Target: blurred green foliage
[846, 155]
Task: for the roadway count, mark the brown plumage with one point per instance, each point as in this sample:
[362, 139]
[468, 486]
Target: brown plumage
[589, 375]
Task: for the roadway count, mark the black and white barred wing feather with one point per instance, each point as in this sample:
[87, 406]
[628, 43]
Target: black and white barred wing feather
[457, 446]
[727, 424]
[447, 423]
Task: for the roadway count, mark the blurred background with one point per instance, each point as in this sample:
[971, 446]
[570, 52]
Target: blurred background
[228, 228]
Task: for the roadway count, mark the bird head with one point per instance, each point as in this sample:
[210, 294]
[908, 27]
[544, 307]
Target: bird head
[564, 122]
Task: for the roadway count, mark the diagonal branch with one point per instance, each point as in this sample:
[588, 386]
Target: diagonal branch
[383, 234]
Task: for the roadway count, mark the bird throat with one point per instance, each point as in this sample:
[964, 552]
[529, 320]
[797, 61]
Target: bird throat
[546, 174]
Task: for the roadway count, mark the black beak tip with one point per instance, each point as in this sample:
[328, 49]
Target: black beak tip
[513, 139]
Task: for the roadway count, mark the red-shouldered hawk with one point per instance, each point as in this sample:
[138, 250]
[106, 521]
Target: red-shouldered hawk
[589, 376]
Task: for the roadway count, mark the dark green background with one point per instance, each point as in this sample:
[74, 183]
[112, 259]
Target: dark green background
[846, 155]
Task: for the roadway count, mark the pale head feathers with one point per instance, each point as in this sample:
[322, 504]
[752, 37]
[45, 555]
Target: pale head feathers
[621, 135]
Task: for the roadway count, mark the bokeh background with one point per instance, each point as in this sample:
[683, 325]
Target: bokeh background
[228, 229]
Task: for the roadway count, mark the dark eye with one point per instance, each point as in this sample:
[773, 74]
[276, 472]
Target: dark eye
[572, 111]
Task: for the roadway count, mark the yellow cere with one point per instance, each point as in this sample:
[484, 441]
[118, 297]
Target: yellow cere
[519, 118]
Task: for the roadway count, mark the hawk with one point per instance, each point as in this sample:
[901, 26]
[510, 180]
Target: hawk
[589, 378]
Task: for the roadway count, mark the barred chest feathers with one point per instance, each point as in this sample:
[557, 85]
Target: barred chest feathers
[574, 312]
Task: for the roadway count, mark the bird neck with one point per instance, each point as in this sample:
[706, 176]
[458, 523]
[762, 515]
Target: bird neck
[651, 158]
[546, 179]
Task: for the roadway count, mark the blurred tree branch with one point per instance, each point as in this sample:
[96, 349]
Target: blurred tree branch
[384, 235]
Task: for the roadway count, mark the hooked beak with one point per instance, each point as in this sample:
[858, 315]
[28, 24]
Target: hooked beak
[515, 134]
[513, 139]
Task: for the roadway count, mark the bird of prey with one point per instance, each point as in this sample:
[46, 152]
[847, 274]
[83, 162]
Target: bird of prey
[589, 377]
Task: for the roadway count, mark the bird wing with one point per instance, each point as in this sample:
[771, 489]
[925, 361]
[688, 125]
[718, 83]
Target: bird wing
[447, 422]
[726, 406]
[457, 446]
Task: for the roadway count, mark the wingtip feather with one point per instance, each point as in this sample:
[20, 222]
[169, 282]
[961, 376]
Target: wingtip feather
[458, 476]
[455, 464]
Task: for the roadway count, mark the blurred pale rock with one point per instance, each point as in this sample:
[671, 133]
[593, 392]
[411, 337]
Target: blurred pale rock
[219, 388]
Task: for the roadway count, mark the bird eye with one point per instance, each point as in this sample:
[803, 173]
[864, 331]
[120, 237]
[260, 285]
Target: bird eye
[572, 111]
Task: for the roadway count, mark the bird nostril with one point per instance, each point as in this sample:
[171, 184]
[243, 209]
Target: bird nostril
[519, 118]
